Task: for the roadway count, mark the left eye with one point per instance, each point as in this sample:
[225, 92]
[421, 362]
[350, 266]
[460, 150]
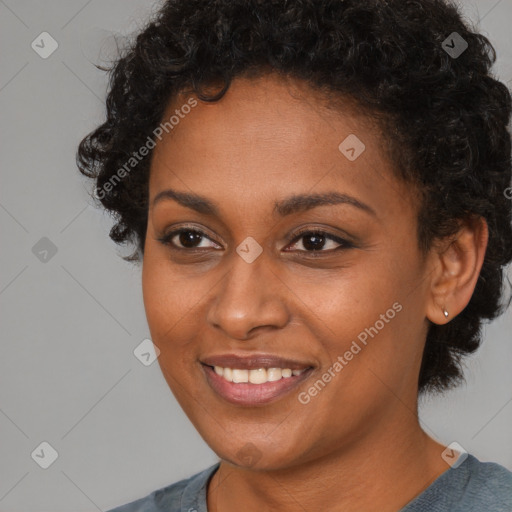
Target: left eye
[319, 241]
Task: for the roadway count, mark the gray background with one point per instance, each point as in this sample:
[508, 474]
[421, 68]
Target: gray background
[70, 324]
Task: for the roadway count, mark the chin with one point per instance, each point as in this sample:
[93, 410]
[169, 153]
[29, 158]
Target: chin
[254, 454]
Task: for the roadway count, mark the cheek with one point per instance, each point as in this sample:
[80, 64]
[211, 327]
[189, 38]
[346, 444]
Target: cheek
[166, 299]
[155, 291]
[343, 303]
[167, 294]
[370, 316]
[174, 306]
[169, 306]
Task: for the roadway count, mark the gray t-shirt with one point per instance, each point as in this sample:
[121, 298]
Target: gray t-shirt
[473, 486]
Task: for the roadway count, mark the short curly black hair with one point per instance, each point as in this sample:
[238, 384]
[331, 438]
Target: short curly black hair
[444, 115]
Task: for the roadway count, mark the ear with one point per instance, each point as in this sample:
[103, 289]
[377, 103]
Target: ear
[457, 263]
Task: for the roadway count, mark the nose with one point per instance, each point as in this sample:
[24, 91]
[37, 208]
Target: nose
[250, 297]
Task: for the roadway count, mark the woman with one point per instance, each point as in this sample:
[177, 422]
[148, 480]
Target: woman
[317, 193]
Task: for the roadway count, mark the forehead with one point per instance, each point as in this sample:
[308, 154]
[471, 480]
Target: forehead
[267, 138]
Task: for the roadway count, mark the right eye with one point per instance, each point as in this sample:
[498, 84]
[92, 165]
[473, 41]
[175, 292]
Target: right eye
[186, 238]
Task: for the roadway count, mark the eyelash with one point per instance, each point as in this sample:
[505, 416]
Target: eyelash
[344, 244]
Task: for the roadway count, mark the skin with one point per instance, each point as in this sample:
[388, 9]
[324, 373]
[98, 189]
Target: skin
[357, 445]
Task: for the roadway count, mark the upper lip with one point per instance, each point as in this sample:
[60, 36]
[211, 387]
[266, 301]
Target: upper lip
[254, 361]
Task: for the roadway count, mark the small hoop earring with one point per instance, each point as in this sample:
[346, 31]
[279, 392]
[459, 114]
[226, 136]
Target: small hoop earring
[445, 313]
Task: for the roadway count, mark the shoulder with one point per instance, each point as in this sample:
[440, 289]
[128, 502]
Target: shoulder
[172, 498]
[489, 486]
[473, 486]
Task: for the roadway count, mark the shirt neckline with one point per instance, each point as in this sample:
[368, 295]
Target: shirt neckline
[194, 497]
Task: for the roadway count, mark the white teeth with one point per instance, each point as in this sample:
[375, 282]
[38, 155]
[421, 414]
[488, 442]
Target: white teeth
[257, 375]
[240, 375]
[274, 374]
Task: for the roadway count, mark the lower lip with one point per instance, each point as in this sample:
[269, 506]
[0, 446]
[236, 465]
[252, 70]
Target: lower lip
[245, 393]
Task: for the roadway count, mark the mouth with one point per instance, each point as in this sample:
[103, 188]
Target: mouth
[252, 381]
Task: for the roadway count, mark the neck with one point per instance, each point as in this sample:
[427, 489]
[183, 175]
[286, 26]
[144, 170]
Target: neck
[383, 471]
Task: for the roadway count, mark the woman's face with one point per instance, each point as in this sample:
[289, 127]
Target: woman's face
[244, 286]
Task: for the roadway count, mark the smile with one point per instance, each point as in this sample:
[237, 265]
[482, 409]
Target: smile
[253, 387]
[256, 376]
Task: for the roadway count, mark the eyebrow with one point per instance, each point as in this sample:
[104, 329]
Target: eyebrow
[284, 207]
